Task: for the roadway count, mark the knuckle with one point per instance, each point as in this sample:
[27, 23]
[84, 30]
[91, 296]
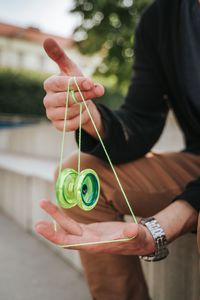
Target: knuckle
[61, 98]
[57, 125]
[54, 210]
[57, 83]
[48, 82]
[49, 114]
[46, 85]
[46, 101]
[72, 124]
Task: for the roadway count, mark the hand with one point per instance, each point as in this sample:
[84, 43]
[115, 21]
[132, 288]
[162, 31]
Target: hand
[56, 87]
[71, 232]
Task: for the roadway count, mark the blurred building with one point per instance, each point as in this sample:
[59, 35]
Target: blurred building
[21, 48]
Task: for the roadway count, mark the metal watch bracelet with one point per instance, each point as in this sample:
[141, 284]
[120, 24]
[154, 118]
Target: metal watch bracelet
[161, 250]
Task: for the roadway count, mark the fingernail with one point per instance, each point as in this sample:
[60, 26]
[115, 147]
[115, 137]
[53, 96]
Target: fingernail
[98, 90]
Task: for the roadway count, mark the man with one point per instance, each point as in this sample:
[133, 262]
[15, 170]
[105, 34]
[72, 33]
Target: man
[166, 186]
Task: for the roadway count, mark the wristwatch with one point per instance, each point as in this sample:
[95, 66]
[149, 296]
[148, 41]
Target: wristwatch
[161, 250]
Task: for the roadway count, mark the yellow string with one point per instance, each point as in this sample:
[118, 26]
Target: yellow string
[64, 126]
[79, 150]
[107, 155]
[79, 139]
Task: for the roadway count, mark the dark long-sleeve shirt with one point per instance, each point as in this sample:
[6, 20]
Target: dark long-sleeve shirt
[166, 73]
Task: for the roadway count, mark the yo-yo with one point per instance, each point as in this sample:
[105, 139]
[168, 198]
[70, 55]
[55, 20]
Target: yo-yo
[82, 189]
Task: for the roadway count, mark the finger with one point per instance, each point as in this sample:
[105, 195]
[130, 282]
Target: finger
[60, 237]
[57, 83]
[53, 100]
[59, 99]
[46, 229]
[73, 123]
[57, 54]
[96, 91]
[58, 113]
[130, 230]
[65, 222]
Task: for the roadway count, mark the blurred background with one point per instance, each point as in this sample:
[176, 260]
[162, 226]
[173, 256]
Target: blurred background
[99, 36]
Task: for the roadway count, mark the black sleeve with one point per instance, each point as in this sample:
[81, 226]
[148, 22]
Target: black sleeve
[132, 130]
[191, 194]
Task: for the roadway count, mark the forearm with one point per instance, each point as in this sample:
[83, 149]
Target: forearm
[177, 219]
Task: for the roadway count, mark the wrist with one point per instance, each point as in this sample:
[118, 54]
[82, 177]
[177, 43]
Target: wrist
[159, 250]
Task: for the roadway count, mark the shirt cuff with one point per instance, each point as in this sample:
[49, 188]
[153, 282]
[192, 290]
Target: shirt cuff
[191, 194]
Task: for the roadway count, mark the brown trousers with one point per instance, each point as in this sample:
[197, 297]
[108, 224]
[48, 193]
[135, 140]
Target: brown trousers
[150, 184]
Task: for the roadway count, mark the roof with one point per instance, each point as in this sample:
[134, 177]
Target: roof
[32, 34]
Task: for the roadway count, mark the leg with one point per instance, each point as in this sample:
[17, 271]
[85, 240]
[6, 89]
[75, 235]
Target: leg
[150, 184]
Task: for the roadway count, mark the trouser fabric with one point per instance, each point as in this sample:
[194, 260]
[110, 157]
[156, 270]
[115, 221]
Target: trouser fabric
[150, 183]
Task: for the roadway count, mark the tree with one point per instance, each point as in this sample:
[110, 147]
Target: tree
[108, 27]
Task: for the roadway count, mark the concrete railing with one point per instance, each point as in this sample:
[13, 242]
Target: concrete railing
[22, 186]
[28, 158]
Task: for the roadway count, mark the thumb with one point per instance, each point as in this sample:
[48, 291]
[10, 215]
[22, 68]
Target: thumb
[57, 54]
[130, 230]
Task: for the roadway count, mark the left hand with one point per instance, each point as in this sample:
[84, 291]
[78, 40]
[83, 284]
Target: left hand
[71, 232]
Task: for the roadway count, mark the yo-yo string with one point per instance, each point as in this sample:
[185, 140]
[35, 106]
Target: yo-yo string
[63, 133]
[64, 126]
[79, 139]
[105, 151]
[79, 150]
[79, 130]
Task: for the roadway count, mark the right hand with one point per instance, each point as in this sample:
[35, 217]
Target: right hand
[56, 90]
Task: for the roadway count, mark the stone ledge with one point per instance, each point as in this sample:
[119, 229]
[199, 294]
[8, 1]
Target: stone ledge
[28, 165]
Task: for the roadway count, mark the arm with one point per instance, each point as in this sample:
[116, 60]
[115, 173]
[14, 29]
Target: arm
[135, 127]
[177, 218]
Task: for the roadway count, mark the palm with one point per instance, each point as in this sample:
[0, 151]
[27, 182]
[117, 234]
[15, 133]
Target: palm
[70, 232]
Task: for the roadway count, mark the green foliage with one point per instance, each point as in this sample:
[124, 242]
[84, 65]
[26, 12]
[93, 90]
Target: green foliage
[21, 93]
[108, 27]
[112, 99]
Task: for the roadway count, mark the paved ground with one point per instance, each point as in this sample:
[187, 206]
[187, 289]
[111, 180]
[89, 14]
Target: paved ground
[30, 271]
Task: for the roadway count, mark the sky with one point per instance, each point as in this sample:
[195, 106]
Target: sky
[51, 16]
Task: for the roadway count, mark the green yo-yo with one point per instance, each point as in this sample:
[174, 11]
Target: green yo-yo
[87, 189]
[65, 188]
